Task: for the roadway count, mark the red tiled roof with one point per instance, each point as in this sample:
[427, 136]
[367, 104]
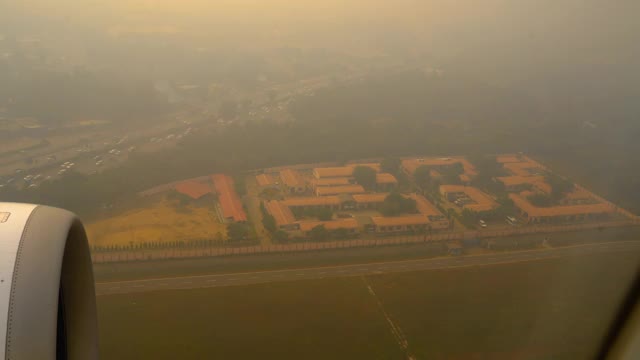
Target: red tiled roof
[193, 189]
[336, 190]
[370, 198]
[424, 206]
[331, 181]
[280, 212]
[312, 201]
[417, 219]
[291, 178]
[386, 178]
[265, 180]
[228, 198]
[330, 225]
[563, 210]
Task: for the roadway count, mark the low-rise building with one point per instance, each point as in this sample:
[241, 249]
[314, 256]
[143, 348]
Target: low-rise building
[386, 181]
[338, 190]
[293, 181]
[410, 165]
[267, 181]
[400, 224]
[562, 213]
[521, 183]
[369, 201]
[437, 220]
[313, 202]
[193, 189]
[230, 205]
[282, 214]
[350, 226]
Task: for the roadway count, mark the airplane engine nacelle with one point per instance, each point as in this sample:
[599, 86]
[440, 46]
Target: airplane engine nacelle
[47, 296]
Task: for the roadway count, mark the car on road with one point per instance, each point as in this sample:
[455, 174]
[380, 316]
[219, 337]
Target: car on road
[482, 224]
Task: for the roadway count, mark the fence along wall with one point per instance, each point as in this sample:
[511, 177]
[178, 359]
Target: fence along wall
[179, 253]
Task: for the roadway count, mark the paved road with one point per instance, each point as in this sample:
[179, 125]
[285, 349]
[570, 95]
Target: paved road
[258, 277]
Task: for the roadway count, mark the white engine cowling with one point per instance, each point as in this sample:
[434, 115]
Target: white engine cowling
[47, 295]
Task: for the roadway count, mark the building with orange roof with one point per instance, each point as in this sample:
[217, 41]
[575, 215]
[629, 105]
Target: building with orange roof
[386, 182]
[374, 166]
[369, 201]
[282, 214]
[193, 189]
[332, 172]
[341, 171]
[293, 181]
[332, 181]
[524, 168]
[475, 200]
[521, 183]
[310, 202]
[351, 225]
[503, 159]
[410, 165]
[338, 190]
[266, 181]
[405, 223]
[230, 205]
[535, 214]
[437, 220]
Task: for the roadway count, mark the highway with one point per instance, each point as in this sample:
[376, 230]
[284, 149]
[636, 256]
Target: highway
[452, 262]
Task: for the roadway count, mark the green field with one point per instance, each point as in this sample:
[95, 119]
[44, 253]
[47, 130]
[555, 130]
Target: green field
[536, 310]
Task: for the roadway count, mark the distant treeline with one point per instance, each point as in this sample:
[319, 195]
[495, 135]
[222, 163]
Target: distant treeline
[390, 115]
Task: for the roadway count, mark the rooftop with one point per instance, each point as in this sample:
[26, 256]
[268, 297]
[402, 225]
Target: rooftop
[291, 178]
[410, 165]
[370, 198]
[228, 198]
[417, 219]
[193, 189]
[564, 210]
[336, 190]
[424, 206]
[265, 180]
[341, 171]
[330, 225]
[280, 212]
[508, 159]
[331, 181]
[538, 181]
[386, 178]
[312, 201]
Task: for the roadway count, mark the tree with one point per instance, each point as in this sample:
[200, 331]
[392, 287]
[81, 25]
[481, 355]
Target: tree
[559, 186]
[422, 176]
[396, 204]
[390, 165]
[365, 176]
[319, 233]
[237, 231]
[324, 214]
[541, 200]
[341, 233]
[280, 236]
[269, 222]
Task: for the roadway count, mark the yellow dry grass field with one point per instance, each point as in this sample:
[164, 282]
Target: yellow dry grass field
[159, 222]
